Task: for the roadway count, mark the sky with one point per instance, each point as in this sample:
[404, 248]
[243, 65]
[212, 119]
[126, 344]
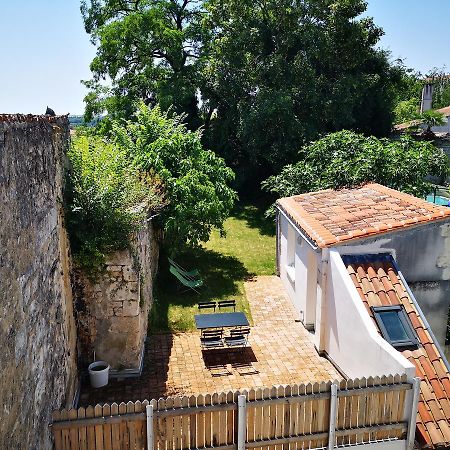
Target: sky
[45, 52]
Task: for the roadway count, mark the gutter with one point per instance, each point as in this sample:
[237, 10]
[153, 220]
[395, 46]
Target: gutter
[323, 300]
[311, 243]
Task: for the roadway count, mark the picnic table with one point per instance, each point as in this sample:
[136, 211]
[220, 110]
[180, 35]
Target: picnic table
[220, 320]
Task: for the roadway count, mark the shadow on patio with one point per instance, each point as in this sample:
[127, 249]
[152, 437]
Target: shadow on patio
[281, 352]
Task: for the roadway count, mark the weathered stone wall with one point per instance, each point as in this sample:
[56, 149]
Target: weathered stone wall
[113, 310]
[38, 370]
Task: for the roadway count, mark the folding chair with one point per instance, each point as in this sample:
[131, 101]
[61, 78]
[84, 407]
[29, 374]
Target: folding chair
[227, 304]
[190, 284]
[211, 339]
[192, 274]
[238, 337]
[206, 305]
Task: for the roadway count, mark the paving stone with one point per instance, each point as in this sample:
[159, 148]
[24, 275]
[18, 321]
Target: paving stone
[281, 352]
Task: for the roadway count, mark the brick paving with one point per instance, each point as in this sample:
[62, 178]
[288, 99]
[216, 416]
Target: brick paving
[281, 352]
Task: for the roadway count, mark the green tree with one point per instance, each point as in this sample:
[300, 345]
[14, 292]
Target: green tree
[106, 199]
[147, 50]
[432, 118]
[348, 159]
[278, 73]
[406, 111]
[441, 87]
[263, 78]
[196, 181]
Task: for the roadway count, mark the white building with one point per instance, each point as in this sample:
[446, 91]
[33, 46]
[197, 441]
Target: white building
[344, 257]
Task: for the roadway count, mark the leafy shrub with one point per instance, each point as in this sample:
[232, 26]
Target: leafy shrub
[347, 159]
[195, 180]
[106, 199]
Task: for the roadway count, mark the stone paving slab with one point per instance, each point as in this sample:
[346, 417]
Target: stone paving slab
[281, 352]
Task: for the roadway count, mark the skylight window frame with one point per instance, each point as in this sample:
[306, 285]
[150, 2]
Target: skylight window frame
[412, 340]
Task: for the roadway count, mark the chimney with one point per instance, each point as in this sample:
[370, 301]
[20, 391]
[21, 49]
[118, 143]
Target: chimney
[427, 98]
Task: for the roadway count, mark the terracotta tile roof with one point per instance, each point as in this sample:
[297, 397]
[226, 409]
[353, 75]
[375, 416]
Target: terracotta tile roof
[332, 216]
[405, 125]
[377, 282]
[445, 111]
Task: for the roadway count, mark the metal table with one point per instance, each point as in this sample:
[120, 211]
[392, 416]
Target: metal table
[221, 320]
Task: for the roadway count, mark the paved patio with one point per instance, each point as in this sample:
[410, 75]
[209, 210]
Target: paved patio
[281, 352]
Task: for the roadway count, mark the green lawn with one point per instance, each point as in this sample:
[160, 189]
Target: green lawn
[224, 263]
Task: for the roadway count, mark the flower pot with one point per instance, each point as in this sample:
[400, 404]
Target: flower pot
[98, 373]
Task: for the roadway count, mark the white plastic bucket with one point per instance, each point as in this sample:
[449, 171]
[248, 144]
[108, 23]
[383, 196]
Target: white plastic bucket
[98, 373]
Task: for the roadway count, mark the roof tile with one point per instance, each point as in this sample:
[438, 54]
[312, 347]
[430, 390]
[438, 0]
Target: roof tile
[423, 435]
[433, 428]
[446, 384]
[440, 394]
[333, 216]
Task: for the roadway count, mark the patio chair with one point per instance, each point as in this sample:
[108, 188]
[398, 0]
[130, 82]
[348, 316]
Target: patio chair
[188, 283]
[211, 339]
[238, 337]
[206, 305]
[227, 304]
[192, 274]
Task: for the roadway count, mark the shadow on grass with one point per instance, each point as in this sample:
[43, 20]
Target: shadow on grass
[221, 275]
[255, 218]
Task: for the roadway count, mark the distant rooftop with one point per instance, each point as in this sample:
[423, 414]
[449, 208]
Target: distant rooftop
[330, 217]
[405, 125]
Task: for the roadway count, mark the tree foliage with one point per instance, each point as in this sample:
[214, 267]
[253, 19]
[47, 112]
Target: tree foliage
[196, 181]
[279, 73]
[409, 93]
[432, 118]
[106, 199]
[149, 50]
[263, 78]
[348, 159]
[441, 87]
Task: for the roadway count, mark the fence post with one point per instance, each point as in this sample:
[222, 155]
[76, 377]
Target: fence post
[413, 414]
[242, 422]
[333, 407]
[150, 437]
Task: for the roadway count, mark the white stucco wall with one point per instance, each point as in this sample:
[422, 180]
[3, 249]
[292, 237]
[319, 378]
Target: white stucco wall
[423, 256]
[298, 270]
[350, 336]
[331, 304]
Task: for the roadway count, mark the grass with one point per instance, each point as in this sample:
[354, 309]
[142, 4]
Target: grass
[224, 263]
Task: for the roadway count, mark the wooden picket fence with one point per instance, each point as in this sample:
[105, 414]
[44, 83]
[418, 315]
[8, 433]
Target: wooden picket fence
[294, 417]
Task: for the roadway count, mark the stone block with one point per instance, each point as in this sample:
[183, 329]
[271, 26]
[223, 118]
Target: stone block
[124, 324]
[129, 274]
[130, 308]
[120, 258]
[118, 311]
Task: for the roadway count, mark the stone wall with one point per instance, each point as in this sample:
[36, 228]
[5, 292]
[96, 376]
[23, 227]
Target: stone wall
[113, 310]
[38, 370]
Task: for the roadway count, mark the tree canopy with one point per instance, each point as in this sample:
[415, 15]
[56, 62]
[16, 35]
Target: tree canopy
[262, 78]
[150, 164]
[196, 181]
[149, 50]
[348, 159]
[106, 199]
